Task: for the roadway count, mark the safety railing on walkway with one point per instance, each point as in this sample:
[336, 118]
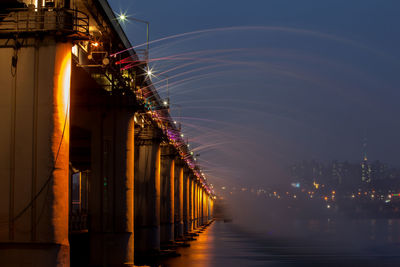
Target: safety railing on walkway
[68, 21]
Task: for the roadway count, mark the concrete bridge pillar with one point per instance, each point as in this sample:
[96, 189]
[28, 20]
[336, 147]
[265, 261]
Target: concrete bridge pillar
[168, 155]
[108, 155]
[205, 206]
[190, 196]
[111, 186]
[34, 152]
[206, 197]
[147, 190]
[198, 205]
[186, 200]
[212, 208]
[201, 206]
[195, 205]
[179, 170]
[209, 208]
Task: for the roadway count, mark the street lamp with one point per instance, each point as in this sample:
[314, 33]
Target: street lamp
[123, 18]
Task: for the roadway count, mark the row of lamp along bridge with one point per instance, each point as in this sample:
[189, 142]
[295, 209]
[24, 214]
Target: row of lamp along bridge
[142, 189]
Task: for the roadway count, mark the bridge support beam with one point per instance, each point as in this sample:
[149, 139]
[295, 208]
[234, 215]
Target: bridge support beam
[111, 196]
[186, 200]
[179, 199]
[34, 152]
[196, 204]
[190, 196]
[147, 191]
[201, 206]
[167, 194]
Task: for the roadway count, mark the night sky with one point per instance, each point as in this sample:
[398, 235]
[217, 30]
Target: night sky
[261, 84]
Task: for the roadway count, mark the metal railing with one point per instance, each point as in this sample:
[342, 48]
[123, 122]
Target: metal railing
[43, 19]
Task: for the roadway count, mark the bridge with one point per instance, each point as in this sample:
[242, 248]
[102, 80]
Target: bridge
[94, 170]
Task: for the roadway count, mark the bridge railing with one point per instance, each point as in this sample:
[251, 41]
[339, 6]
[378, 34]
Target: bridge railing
[67, 21]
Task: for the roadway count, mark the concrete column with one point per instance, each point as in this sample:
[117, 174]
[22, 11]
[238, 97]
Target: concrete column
[195, 205]
[111, 197]
[179, 199]
[34, 153]
[209, 208]
[190, 195]
[147, 191]
[205, 206]
[201, 206]
[186, 215]
[198, 205]
[168, 155]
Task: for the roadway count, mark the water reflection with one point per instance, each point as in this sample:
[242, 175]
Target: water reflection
[228, 244]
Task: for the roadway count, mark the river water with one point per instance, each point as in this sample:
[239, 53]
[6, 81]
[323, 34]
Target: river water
[364, 242]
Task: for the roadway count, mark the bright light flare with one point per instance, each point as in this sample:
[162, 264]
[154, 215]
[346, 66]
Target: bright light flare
[122, 17]
[149, 72]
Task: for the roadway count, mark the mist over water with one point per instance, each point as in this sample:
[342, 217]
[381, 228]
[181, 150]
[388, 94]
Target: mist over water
[316, 231]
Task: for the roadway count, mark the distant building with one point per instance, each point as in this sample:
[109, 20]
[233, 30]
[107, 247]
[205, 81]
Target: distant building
[365, 166]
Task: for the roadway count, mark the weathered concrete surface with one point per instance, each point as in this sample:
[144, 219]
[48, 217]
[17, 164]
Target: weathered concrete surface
[179, 199]
[109, 119]
[168, 155]
[147, 190]
[34, 153]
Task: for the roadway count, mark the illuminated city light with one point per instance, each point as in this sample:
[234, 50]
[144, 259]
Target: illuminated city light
[296, 185]
[316, 185]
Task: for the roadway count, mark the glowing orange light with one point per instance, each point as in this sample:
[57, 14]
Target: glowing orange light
[63, 83]
[326, 198]
[95, 44]
[316, 185]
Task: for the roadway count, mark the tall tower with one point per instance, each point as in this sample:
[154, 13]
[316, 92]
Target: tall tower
[365, 166]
